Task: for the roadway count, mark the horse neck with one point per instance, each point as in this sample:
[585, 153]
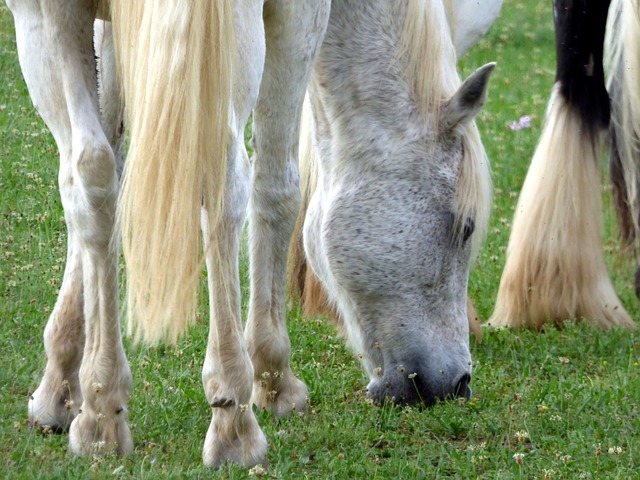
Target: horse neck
[359, 91]
[359, 70]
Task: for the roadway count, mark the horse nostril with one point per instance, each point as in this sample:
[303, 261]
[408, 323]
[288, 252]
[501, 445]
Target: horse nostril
[462, 387]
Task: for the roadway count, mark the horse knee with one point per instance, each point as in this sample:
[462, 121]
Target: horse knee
[277, 203]
[96, 167]
[88, 188]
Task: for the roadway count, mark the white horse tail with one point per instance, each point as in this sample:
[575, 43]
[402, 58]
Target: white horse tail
[555, 267]
[304, 285]
[175, 65]
[622, 53]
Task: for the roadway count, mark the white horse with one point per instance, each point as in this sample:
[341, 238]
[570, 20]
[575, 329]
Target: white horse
[404, 180]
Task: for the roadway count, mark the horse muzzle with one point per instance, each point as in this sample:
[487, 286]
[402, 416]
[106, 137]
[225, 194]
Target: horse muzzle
[405, 387]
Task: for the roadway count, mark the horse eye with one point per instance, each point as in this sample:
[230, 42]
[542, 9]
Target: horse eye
[469, 227]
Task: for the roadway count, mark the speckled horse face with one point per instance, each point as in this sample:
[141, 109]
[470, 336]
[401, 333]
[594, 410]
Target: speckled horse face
[385, 231]
[398, 273]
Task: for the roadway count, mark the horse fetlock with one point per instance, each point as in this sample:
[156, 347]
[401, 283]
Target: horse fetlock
[280, 392]
[223, 402]
[95, 432]
[54, 405]
[234, 435]
[221, 396]
[269, 349]
[51, 414]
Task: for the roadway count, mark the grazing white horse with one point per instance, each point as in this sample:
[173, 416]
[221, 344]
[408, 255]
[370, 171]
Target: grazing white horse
[404, 181]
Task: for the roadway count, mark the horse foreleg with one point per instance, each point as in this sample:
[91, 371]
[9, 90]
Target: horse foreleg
[111, 96]
[55, 47]
[55, 402]
[555, 268]
[105, 372]
[291, 49]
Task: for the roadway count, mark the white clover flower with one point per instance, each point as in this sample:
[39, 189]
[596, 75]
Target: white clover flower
[257, 471]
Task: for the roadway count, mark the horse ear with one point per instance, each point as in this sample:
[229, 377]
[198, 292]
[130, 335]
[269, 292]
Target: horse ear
[469, 99]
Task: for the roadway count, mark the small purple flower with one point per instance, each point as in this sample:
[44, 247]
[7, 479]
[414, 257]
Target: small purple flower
[524, 122]
[282, 432]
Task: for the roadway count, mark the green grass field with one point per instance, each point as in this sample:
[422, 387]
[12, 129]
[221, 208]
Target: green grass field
[556, 404]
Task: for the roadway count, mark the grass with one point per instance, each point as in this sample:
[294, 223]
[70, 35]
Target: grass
[556, 404]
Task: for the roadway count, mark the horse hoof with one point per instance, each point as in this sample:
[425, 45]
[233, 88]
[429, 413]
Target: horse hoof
[50, 416]
[234, 436]
[281, 396]
[99, 434]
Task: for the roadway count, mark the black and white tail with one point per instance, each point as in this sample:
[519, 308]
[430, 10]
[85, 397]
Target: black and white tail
[555, 268]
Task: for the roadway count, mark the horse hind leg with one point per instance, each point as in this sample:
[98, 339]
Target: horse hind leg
[621, 53]
[555, 265]
[291, 48]
[62, 82]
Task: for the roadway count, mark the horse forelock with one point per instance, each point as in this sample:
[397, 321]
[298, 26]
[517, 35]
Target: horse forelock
[473, 195]
[426, 45]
